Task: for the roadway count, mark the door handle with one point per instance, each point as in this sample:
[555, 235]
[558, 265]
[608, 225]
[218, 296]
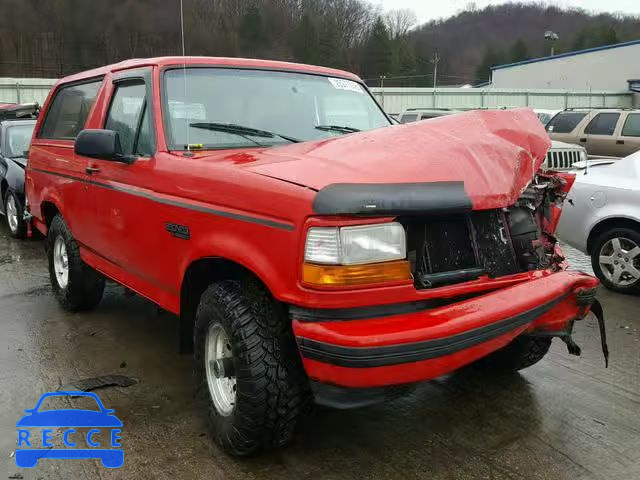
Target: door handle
[619, 142]
[91, 170]
[583, 140]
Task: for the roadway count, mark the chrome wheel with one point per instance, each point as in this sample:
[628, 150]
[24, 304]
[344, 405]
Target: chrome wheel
[12, 213]
[220, 369]
[620, 261]
[61, 262]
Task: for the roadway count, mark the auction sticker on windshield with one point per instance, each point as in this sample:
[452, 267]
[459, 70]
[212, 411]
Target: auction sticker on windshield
[344, 84]
[69, 433]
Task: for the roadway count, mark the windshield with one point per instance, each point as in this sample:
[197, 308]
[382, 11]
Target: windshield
[289, 105]
[18, 139]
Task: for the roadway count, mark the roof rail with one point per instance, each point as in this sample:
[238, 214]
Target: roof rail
[570, 109]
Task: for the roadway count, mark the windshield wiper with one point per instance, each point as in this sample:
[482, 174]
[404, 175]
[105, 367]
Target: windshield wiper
[336, 128]
[242, 131]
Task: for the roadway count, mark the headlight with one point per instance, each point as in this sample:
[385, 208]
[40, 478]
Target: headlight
[351, 256]
[355, 245]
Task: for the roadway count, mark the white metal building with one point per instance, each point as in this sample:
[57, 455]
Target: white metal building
[603, 68]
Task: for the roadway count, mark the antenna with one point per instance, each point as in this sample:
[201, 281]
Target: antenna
[184, 72]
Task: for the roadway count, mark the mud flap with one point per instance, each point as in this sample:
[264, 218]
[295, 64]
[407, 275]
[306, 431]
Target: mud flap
[596, 309]
[574, 348]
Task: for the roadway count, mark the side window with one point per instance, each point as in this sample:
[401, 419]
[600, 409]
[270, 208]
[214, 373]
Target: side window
[632, 126]
[128, 116]
[602, 124]
[69, 111]
[565, 122]
[409, 117]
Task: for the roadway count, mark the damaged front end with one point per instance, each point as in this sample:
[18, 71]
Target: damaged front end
[452, 248]
[455, 248]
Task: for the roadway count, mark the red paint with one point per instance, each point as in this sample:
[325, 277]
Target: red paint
[495, 153]
[441, 323]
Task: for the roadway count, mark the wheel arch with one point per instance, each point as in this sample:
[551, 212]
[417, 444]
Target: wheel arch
[49, 210]
[608, 224]
[197, 277]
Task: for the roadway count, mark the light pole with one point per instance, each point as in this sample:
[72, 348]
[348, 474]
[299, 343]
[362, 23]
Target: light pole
[382, 79]
[551, 37]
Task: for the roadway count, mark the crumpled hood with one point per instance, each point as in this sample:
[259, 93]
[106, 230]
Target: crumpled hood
[495, 153]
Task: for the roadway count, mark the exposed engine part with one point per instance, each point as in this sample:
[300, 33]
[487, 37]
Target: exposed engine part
[525, 237]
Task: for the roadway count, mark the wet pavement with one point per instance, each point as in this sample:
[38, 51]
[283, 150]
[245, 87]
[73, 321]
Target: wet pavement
[564, 418]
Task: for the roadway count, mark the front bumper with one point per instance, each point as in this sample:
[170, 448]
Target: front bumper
[410, 342]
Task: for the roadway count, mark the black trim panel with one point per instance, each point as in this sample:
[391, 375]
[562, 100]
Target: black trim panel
[392, 198]
[366, 357]
[377, 311]
[175, 203]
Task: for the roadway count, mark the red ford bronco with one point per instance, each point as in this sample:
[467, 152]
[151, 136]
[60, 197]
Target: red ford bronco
[311, 249]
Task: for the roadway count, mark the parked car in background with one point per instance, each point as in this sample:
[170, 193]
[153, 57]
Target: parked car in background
[416, 114]
[16, 128]
[545, 115]
[608, 132]
[601, 217]
[562, 156]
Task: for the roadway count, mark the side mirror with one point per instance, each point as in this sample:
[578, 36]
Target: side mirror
[102, 144]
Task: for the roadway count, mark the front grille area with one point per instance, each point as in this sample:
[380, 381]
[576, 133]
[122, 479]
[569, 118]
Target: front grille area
[562, 159]
[455, 248]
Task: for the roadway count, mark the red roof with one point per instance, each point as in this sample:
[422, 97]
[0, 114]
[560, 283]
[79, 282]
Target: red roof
[213, 61]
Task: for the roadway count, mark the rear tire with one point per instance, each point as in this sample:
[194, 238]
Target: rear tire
[265, 391]
[605, 249]
[76, 286]
[523, 352]
[14, 212]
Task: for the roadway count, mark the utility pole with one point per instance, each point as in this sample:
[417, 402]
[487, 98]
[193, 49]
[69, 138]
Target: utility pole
[435, 60]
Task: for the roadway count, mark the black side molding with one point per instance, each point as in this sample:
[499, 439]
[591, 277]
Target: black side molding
[303, 314]
[392, 199]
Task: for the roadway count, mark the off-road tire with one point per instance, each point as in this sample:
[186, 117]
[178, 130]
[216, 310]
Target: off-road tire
[598, 243]
[20, 232]
[85, 286]
[272, 390]
[523, 352]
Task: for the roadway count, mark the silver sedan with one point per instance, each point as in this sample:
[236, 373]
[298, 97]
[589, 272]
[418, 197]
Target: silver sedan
[601, 217]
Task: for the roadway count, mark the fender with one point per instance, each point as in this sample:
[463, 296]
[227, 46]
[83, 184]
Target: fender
[229, 245]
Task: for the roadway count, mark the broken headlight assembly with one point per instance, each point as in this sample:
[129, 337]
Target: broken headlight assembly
[356, 255]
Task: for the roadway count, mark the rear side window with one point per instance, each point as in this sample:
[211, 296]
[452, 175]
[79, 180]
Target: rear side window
[632, 126]
[128, 116]
[69, 111]
[565, 122]
[602, 124]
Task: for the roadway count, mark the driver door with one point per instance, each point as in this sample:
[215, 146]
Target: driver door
[119, 191]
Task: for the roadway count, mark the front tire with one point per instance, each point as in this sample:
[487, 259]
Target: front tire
[14, 212]
[76, 286]
[523, 352]
[248, 369]
[615, 259]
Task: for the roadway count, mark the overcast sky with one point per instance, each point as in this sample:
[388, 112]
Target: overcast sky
[431, 9]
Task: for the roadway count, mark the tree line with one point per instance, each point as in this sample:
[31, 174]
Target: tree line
[52, 38]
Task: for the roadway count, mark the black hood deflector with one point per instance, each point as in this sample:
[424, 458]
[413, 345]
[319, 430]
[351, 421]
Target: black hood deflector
[392, 199]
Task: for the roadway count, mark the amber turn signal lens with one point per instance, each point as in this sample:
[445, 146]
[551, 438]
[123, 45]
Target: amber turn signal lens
[347, 275]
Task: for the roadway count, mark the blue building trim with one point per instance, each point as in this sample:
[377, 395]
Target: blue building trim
[568, 54]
